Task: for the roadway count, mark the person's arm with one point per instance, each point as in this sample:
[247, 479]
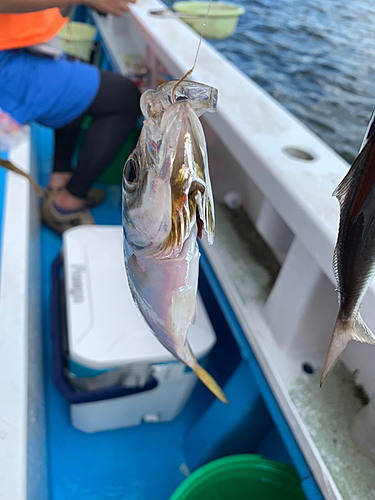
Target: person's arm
[64, 9]
[21, 6]
[115, 7]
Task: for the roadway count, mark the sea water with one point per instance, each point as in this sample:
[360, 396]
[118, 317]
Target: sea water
[317, 58]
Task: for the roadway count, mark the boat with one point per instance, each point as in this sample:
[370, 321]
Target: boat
[267, 285]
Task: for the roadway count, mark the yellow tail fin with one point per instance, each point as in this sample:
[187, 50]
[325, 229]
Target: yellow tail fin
[208, 381]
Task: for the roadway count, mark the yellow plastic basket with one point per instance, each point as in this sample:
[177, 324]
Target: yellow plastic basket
[77, 39]
[221, 22]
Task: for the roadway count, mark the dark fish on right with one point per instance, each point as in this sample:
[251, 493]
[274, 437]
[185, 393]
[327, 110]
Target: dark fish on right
[354, 257]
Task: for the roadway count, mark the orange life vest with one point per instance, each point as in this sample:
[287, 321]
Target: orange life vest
[22, 30]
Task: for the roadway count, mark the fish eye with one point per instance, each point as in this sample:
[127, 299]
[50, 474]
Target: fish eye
[131, 171]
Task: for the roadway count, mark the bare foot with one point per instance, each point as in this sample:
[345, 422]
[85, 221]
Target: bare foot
[67, 201]
[59, 180]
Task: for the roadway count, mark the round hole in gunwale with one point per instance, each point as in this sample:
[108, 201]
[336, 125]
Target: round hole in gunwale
[307, 368]
[298, 153]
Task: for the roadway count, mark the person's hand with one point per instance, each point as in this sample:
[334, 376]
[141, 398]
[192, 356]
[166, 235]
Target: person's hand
[115, 7]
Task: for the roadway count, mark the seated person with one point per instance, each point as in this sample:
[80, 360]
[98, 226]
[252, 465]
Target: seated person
[57, 92]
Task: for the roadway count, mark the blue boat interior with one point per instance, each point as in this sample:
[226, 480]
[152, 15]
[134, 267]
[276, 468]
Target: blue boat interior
[149, 461]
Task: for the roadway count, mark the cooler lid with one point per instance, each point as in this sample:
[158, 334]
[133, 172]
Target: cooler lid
[104, 327]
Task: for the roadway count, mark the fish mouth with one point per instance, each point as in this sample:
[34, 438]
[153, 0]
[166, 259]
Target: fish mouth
[191, 194]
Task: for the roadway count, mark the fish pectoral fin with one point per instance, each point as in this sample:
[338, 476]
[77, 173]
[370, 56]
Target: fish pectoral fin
[195, 313]
[356, 171]
[344, 331]
[184, 311]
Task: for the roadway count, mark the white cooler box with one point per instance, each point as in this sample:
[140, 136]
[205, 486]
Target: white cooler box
[109, 348]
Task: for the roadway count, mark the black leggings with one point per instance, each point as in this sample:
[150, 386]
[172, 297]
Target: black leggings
[115, 111]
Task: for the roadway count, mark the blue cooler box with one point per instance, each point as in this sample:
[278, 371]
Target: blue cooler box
[107, 362]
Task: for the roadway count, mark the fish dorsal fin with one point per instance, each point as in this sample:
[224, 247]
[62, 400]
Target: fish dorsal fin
[345, 185]
[350, 181]
[342, 189]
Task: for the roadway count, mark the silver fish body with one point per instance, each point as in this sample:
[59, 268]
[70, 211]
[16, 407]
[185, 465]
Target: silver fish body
[354, 257]
[165, 292]
[167, 202]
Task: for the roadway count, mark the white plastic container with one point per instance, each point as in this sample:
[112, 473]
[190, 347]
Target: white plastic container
[106, 331]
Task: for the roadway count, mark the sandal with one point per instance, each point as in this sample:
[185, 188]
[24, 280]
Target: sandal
[61, 222]
[94, 197]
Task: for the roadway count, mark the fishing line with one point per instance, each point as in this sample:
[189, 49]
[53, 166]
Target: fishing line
[196, 55]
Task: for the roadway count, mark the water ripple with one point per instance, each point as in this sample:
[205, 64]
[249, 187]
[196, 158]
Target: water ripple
[317, 59]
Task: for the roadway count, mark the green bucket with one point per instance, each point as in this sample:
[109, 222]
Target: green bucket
[221, 21]
[241, 477]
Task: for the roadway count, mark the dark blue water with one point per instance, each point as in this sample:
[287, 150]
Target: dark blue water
[317, 58]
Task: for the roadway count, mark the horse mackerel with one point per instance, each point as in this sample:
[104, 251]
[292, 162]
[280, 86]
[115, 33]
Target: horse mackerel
[167, 203]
